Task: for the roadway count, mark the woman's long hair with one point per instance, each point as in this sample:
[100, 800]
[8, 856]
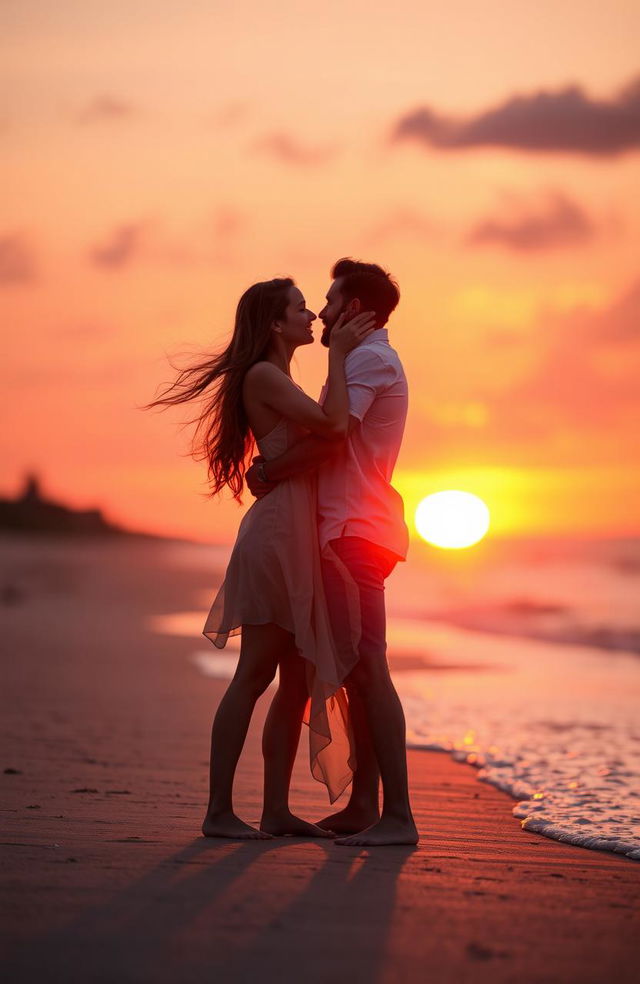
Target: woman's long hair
[222, 435]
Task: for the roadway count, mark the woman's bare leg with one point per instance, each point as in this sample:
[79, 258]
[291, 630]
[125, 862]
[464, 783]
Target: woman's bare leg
[279, 746]
[259, 655]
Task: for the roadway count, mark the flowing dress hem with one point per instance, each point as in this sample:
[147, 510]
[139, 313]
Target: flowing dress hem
[315, 722]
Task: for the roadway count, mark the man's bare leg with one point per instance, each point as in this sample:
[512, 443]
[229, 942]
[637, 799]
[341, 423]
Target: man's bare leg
[386, 722]
[259, 653]
[363, 808]
[280, 741]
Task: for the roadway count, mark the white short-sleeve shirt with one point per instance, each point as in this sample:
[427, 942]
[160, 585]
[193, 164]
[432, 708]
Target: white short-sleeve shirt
[355, 495]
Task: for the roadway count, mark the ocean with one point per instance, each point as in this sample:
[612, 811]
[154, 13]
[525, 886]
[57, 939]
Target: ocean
[519, 658]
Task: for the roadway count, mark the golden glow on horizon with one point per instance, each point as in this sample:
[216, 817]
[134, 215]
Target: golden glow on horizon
[452, 519]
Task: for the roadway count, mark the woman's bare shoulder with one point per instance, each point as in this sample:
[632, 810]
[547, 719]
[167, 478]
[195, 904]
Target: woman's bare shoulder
[266, 374]
[261, 368]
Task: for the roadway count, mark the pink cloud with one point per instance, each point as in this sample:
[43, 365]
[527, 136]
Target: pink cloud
[290, 150]
[564, 121]
[106, 108]
[122, 246]
[17, 262]
[556, 221]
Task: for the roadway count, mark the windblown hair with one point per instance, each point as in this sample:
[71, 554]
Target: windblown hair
[222, 435]
[372, 285]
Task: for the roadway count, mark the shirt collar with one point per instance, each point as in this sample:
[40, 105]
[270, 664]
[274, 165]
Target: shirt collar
[379, 335]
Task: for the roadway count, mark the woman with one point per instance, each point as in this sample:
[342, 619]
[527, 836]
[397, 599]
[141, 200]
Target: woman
[273, 591]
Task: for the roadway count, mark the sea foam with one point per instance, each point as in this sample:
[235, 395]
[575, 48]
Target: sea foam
[555, 726]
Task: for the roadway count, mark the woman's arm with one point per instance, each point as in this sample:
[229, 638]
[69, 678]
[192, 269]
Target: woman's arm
[276, 390]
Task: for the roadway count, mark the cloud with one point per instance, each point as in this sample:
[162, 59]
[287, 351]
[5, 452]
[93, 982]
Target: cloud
[228, 222]
[232, 114]
[620, 325]
[558, 221]
[120, 249]
[288, 149]
[218, 238]
[17, 264]
[564, 121]
[105, 108]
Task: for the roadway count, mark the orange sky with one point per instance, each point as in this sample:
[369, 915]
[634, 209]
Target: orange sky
[154, 165]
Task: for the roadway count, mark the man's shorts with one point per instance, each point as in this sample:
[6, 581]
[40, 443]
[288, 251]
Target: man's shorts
[368, 565]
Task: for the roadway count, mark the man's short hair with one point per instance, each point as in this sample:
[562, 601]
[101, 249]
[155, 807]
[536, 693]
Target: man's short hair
[373, 286]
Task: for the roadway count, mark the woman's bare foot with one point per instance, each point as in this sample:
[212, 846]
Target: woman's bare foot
[288, 825]
[388, 830]
[229, 825]
[351, 820]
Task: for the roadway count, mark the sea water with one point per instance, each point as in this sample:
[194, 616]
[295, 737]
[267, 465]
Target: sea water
[554, 726]
[518, 694]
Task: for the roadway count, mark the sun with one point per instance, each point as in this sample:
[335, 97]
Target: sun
[452, 519]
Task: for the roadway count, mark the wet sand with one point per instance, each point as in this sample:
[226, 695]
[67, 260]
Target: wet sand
[105, 731]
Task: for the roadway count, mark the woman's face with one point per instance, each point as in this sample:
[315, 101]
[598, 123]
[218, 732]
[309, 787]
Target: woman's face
[295, 328]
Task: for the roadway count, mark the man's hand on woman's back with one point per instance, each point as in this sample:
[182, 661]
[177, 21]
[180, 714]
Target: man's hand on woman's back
[256, 486]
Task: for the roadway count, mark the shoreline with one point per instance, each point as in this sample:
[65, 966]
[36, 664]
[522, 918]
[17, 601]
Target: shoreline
[542, 828]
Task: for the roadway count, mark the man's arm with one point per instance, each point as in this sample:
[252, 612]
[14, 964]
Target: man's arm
[304, 456]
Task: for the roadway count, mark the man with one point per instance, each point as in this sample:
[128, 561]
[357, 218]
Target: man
[361, 516]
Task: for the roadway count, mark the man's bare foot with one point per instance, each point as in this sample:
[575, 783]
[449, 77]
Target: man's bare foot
[229, 825]
[351, 820]
[388, 830]
[288, 825]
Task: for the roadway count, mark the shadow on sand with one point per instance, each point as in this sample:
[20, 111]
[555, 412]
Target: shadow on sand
[231, 911]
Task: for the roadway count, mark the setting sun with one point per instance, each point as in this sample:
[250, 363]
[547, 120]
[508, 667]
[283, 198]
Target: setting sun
[452, 519]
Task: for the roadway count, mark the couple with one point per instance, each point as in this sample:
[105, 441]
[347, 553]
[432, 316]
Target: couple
[305, 582]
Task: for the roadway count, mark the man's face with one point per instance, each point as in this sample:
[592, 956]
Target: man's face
[333, 309]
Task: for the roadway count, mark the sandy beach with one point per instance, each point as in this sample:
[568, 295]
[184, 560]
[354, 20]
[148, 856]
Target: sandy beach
[106, 878]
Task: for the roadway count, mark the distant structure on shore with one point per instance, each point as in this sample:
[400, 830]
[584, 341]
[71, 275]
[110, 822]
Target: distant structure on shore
[31, 512]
